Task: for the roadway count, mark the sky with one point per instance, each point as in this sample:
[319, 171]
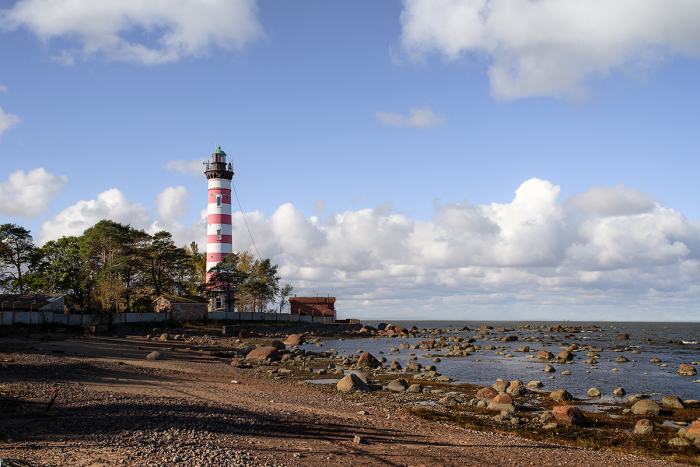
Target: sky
[424, 159]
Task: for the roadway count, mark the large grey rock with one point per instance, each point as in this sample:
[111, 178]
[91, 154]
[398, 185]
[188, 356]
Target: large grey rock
[399, 385]
[156, 356]
[643, 427]
[561, 395]
[646, 407]
[264, 353]
[593, 392]
[352, 382]
[672, 402]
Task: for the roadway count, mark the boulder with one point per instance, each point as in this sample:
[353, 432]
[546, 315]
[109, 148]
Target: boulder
[395, 366]
[549, 369]
[631, 400]
[486, 394]
[294, 339]
[693, 431]
[672, 402]
[535, 384]
[524, 348]
[277, 344]
[368, 360]
[569, 414]
[164, 337]
[655, 360]
[593, 392]
[643, 427]
[623, 336]
[516, 389]
[264, 353]
[687, 370]
[565, 355]
[619, 392]
[382, 326]
[156, 356]
[417, 388]
[244, 334]
[399, 385]
[501, 386]
[561, 395]
[352, 382]
[509, 339]
[545, 355]
[502, 402]
[646, 407]
[621, 359]
[413, 366]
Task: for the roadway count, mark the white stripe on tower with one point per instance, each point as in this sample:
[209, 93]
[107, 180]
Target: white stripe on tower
[219, 230]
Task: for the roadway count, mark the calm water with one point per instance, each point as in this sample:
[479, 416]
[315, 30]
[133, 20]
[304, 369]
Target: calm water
[630, 375]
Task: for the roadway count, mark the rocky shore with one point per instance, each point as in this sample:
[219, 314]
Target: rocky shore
[190, 397]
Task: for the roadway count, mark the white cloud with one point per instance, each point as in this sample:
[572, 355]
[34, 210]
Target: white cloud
[418, 117]
[536, 253]
[3, 88]
[111, 204]
[603, 252]
[193, 168]
[171, 204]
[552, 47]
[150, 33]
[613, 201]
[29, 194]
[7, 121]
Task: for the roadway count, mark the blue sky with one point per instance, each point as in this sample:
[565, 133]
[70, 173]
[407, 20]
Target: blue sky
[378, 146]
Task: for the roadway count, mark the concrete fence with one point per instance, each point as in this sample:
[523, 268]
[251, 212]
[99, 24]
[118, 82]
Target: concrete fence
[39, 317]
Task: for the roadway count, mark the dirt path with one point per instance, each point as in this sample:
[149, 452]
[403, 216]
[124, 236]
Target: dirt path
[116, 407]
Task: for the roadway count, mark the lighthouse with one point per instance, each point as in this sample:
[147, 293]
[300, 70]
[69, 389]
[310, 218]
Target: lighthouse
[219, 231]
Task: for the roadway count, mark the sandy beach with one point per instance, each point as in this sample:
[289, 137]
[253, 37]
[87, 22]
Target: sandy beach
[115, 407]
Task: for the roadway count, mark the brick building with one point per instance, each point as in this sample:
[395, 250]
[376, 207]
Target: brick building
[312, 306]
[182, 307]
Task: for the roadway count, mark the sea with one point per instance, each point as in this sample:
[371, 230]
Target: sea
[672, 343]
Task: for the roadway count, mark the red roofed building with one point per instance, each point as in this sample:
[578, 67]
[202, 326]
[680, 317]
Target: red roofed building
[312, 306]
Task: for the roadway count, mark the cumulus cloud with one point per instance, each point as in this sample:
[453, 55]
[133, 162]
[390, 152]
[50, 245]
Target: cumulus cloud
[170, 206]
[149, 33]
[171, 203]
[423, 117]
[193, 168]
[607, 247]
[319, 207]
[606, 251]
[613, 201]
[111, 204]
[551, 47]
[29, 194]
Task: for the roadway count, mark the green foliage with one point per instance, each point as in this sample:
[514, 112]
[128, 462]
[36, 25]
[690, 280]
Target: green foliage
[16, 251]
[113, 268]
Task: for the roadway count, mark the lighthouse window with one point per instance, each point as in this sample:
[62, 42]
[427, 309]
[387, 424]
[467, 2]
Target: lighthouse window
[218, 234]
[218, 201]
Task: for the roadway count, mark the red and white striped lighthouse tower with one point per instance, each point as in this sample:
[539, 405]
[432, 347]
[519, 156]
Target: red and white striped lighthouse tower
[219, 239]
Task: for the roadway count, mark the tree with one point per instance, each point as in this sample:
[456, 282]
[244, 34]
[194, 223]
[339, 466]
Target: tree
[226, 278]
[195, 273]
[163, 262]
[131, 261]
[262, 285]
[101, 246]
[283, 293]
[58, 267]
[16, 253]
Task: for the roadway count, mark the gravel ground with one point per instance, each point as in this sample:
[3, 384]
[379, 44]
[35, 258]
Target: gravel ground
[114, 407]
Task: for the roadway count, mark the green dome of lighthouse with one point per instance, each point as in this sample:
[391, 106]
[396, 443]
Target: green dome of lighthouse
[219, 152]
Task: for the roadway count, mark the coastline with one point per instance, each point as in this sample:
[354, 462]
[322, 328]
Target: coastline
[151, 412]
